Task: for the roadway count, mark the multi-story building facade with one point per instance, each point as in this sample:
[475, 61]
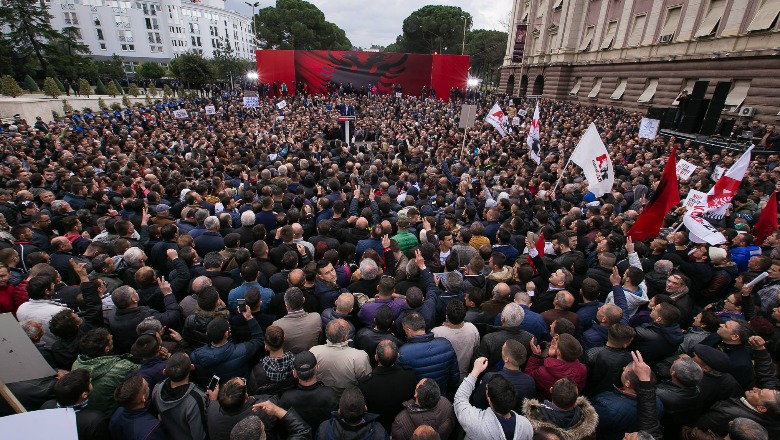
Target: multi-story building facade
[153, 30]
[638, 53]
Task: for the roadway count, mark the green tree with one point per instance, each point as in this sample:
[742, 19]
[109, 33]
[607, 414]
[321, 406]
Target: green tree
[133, 91]
[111, 89]
[66, 107]
[150, 70]
[297, 24]
[167, 92]
[487, 50]
[50, 87]
[433, 29]
[84, 88]
[69, 56]
[102, 104]
[226, 64]
[119, 87]
[30, 84]
[126, 101]
[28, 31]
[60, 85]
[192, 68]
[9, 87]
[111, 68]
[100, 88]
[152, 90]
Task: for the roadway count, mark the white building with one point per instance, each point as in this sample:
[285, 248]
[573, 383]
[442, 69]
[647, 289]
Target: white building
[153, 30]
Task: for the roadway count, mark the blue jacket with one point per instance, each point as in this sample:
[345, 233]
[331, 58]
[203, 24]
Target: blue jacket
[265, 295]
[209, 242]
[510, 252]
[432, 358]
[741, 255]
[229, 360]
[586, 314]
[596, 336]
[617, 414]
[369, 243]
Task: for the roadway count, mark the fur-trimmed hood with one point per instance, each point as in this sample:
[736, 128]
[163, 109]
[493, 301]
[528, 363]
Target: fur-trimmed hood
[586, 426]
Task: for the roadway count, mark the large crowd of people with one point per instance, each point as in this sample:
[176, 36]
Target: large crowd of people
[248, 274]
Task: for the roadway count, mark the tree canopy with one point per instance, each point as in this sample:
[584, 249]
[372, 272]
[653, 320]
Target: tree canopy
[433, 29]
[297, 24]
[487, 50]
[150, 70]
[192, 68]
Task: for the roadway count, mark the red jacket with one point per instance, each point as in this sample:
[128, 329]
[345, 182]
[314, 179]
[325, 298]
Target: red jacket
[11, 298]
[545, 374]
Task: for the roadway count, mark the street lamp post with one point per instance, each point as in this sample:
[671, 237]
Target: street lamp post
[254, 31]
[463, 47]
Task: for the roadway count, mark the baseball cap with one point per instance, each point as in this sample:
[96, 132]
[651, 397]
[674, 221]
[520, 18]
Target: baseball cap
[304, 361]
[161, 208]
[714, 358]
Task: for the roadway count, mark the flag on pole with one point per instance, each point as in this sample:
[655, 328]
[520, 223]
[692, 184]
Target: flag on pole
[591, 155]
[717, 202]
[667, 195]
[767, 221]
[719, 197]
[533, 137]
[497, 119]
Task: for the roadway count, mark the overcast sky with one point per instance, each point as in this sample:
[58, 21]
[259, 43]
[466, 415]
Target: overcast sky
[368, 22]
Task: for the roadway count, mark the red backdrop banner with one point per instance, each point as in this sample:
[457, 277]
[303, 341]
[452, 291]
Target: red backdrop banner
[449, 71]
[363, 69]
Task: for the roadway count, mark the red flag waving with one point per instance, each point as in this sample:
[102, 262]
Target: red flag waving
[540, 249]
[667, 195]
[767, 222]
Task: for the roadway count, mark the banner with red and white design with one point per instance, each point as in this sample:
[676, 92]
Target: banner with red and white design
[497, 118]
[719, 197]
[591, 155]
[533, 137]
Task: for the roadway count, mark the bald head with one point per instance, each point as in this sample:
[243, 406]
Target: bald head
[344, 303]
[564, 300]
[609, 314]
[361, 223]
[200, 283]
[502, 292]
[295, 277]
[297, 230]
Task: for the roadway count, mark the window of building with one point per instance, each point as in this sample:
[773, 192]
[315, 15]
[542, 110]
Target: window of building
[99, 34]
[620, 89]
[122, 21]
[670, 24]
[576, 89]
[687, 85]
[709, 25]
[637, 30]
[558, 4]
[96, 19]
[609, 37]
[587, 40]
[738, 93]
[649, 92]
[195, 28]
[594, 92]
[195, 41]
[151, 23]
[541, 8]
[71, 19]
[766, 16]
[102, 46]
[77, 33]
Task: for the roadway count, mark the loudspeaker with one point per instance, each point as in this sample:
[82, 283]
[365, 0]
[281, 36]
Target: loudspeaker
[657, 113]
[699, 90]
[726, 127]
[694, 115]
[715, 108]
[668, 121]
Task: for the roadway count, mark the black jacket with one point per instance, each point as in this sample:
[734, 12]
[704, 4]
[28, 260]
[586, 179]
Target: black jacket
[718, 417]
[124, 321]
[605, 370]
[716, 386]
[492, 343]
[222, 282]
[314, 403]
[601, 275]
[386, 389]
[681, 406]
[91, 424]
[367, 339]
[657, 342]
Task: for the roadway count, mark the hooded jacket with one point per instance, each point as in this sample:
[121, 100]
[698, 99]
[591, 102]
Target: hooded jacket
[228, 360]
[482, 423]
[137, 424]
[337, 429]
[107, 373]
[182, 410]
[575, 424]
[441, 416]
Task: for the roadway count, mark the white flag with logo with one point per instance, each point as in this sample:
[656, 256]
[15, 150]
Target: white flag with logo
[497, 119]
[210, 110]
[180, 114]
[685, 169]
[533, 138]
[719, 197]
[701, 231]
[591, 155]
[281, 104]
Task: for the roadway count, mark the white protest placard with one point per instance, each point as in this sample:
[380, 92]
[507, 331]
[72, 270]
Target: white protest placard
[717, 173]
[210, 110]
[280, 118]
[694, 198]
[59, 423]
[685, 169]
[281, 104]
[251, 102]
[180, 114]
[648, 128]
[522, 113]
[398, 94]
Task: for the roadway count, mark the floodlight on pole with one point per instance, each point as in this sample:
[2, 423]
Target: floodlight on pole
[254, 32]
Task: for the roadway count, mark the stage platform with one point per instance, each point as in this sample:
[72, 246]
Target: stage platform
[713, 143]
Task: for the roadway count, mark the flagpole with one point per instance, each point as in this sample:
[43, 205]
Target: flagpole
[558, 181]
